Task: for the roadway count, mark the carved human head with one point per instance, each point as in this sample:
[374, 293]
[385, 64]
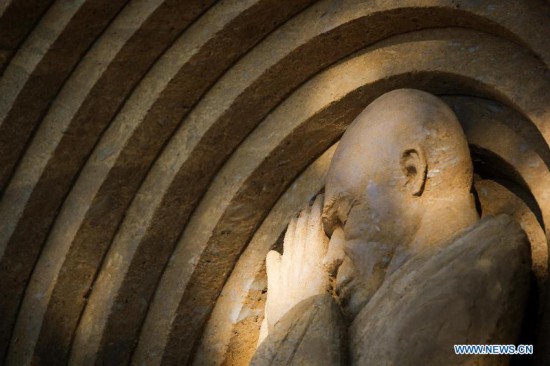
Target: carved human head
[401, 166]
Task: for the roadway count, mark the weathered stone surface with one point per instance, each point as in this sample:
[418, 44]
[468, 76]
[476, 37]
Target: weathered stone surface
[41, 65]
[219, 197]
[29, 84]
[23, 14]
[312, 333]
[470, 291]
[81, 135]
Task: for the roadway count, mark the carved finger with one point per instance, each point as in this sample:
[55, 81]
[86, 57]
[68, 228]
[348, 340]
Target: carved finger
[289, 239]
[316, 241]
[300, 239]
[273, 268]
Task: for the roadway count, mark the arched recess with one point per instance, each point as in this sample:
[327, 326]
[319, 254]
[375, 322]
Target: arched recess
[235, 202]
[107, 183]
[93, 90]
[323, 34]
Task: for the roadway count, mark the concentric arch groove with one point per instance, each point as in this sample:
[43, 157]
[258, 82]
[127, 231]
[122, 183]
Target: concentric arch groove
[531, 34]
[329, 48]
[511, 148]
[94, 92]
[40, 64]
[127, 34]
[498, 13]
[238, 197]
[24, 15]
[92, 210]
[43, 62]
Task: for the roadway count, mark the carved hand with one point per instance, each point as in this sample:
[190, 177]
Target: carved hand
[302, 270]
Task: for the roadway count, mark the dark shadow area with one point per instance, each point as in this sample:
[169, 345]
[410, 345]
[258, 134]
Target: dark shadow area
[489, 166]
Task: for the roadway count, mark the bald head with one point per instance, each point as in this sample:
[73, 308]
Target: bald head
[399, 182]
[408, 144]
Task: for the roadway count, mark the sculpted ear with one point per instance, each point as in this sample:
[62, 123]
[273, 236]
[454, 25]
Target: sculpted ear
[415, 167]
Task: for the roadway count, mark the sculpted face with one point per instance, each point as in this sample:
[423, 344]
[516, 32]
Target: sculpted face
[366, 187]
[395, 167]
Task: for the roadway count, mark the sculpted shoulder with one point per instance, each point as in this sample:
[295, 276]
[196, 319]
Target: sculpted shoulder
[471, 290]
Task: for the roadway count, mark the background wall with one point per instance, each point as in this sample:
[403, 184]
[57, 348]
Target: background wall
[153, 151]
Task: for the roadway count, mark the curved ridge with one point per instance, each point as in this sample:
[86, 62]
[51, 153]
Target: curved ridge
[145, 146]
